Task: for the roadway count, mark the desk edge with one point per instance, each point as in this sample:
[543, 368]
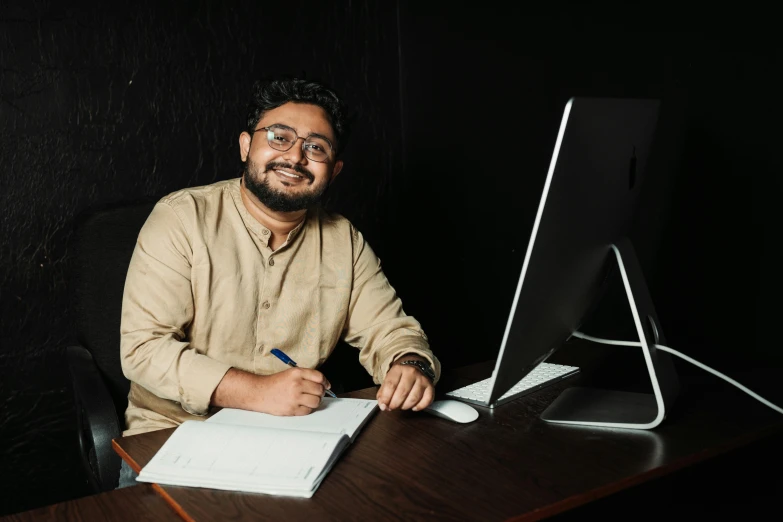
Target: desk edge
[157, 487]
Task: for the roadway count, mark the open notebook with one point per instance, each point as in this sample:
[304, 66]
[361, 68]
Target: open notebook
[260, 453]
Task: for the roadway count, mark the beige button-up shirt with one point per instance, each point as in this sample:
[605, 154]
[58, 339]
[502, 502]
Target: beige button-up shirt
[205, 293]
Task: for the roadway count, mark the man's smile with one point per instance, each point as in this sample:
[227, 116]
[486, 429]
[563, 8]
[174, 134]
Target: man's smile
[289, 176]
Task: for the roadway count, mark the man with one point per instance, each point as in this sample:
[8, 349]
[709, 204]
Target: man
[222, 274]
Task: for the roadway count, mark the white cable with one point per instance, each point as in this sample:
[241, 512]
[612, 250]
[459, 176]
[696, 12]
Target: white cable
[689, 359]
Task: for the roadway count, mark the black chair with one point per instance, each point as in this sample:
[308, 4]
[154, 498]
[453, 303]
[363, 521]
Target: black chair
[104, 243]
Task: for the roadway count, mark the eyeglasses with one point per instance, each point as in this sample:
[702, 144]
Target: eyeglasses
[282, 138]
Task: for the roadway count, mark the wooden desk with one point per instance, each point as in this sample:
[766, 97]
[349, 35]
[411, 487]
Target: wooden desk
[506, 465]
[134, 503]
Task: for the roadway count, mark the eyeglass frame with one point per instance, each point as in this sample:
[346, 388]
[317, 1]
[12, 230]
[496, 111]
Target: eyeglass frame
[298, 137]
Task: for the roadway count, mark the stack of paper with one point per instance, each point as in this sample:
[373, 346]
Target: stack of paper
[256, 452]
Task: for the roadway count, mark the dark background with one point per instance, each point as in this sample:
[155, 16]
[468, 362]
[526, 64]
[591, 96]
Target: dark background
[105, 105]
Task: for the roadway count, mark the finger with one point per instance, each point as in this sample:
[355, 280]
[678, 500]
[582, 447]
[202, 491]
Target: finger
[387, 389]
[309, 401]
[407, 381]
[312, 375]
[414, 396]
[426, 399]
[302, 410]
[312, 388]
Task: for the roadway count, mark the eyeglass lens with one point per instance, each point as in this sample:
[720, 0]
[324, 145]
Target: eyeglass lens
[280, 138]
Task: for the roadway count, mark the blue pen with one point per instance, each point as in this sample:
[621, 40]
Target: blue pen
[290, 362]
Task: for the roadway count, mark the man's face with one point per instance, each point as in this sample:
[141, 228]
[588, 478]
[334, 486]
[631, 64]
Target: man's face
[288, 181]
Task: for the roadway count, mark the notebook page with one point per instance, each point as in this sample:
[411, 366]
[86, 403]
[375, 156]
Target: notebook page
[242, 458]
[332, 416]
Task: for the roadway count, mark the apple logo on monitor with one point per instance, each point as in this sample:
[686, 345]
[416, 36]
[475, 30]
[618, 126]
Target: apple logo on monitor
[632, 170]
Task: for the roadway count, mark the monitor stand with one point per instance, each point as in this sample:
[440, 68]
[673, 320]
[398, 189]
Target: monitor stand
[618, 409]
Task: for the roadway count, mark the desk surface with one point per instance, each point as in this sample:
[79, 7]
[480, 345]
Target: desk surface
[506, 465]
[134, 503]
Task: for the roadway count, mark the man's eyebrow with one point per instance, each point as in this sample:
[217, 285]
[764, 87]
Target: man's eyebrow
[280, 126]
[316, 135]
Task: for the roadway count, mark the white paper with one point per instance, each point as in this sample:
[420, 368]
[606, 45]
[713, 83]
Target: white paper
[224, 456]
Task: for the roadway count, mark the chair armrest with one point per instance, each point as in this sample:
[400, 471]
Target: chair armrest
[97, 420]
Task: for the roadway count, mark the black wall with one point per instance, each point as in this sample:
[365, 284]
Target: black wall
[105, 105]
[708, 217]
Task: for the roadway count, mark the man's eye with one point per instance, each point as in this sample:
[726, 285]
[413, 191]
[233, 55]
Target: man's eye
[315, 147]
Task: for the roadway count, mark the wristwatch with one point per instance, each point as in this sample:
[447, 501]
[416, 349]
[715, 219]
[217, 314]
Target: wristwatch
[424, 367]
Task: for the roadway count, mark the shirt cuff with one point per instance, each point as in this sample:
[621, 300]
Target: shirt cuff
[405, 346]
[198, 382]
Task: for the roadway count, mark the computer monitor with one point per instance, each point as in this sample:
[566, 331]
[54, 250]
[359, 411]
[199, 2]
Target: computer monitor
[580, 229]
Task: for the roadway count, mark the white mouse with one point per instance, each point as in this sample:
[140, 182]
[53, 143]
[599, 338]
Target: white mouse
[453, 410]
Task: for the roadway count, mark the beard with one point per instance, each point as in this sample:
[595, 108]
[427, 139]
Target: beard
[276, 200]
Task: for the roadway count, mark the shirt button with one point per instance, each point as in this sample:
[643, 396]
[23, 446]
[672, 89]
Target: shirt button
[265, 232]
[265, 305]
[271, 262]
[181, 391]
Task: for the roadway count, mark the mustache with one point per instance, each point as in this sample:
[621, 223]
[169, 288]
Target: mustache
[272, 165]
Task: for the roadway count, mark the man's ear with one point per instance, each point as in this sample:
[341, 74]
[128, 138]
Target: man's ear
[244, 146]
[338, 166]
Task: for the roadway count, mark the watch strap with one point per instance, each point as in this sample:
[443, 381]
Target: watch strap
[423, 367]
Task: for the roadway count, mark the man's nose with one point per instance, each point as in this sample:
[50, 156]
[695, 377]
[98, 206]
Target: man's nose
[296, 153]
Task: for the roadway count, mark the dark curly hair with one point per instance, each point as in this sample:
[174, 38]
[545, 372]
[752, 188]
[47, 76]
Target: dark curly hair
[270, 94]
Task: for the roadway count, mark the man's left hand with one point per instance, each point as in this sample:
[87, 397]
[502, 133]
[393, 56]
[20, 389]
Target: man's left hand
[405, 388]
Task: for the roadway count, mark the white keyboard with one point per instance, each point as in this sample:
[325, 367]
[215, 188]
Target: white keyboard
[542, 375]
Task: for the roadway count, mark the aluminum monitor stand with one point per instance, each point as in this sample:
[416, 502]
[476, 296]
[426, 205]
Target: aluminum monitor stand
[618, 409]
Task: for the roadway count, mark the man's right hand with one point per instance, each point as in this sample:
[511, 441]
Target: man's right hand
[295, 391]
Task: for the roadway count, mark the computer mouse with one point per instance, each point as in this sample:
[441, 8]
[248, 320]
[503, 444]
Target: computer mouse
[453, 410]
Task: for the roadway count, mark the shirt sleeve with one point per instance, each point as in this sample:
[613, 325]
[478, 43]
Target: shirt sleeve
[157, 308]
[376, 322]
